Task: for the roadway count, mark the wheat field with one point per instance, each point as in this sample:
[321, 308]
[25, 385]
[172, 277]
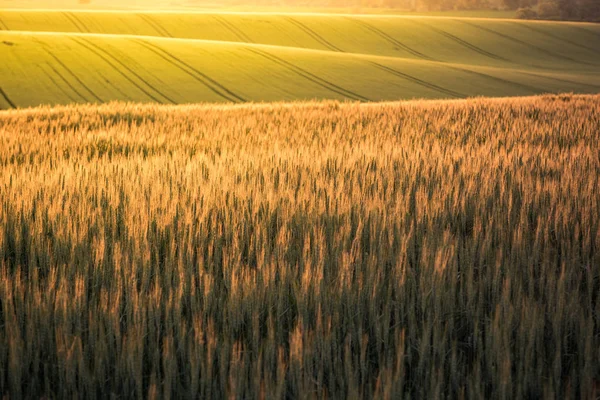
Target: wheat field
[307, 250]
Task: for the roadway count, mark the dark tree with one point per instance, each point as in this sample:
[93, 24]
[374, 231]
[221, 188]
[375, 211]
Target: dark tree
[567, 9]
[589, 10]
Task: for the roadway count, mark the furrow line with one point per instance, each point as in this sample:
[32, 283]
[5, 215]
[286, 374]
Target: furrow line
[73, 21]
[116, 87]
[417, 80]
[3, 26]
[160, 26]
[590, 85]
[130, 70]
[558, 37]
[207, 81]
[309, 76]
[313, 34]
[467, 44]
[143, 18]
[155, 25]
[495, 78]
[233, 29]
[81, 23]
[62, 64]
[57, 72]
[62, 89]
[97, 50]
[588, 31]
[521, 42]
[8, 100]
[390, 39]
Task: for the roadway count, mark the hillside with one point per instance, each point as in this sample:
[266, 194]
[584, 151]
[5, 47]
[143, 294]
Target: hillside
[63, 57]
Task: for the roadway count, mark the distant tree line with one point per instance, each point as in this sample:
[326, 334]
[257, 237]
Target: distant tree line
[572, 10]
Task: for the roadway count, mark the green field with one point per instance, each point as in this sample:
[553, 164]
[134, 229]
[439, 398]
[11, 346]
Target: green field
[63, 57]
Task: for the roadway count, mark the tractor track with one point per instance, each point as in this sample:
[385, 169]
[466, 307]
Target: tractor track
[588, 31]
[523, 43]
[390, 39]
[496, 79]
[310, 76]
[552, 78]
[464, 43]
[76, 22]
[237, 32]
[557, 37]
[72, 21]
[62, 89]
[109, 82]
[61, 76]
[78, 19]
[313, 34]
[97, 50]
[417, 80]
[5, 97]
[3, 26]
[207, 81]
[162, 31]
[62, 64]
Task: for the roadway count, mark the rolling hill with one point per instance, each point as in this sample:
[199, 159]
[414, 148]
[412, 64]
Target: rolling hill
[61, 57]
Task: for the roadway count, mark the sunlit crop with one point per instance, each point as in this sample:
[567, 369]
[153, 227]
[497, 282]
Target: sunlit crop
[420, 249]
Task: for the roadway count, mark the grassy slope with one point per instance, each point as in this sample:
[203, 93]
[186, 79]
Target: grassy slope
[268, 57]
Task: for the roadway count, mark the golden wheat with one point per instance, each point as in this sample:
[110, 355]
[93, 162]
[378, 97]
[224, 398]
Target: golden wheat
[421, 249]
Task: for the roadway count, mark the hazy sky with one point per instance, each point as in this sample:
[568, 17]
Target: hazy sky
[98, 3]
